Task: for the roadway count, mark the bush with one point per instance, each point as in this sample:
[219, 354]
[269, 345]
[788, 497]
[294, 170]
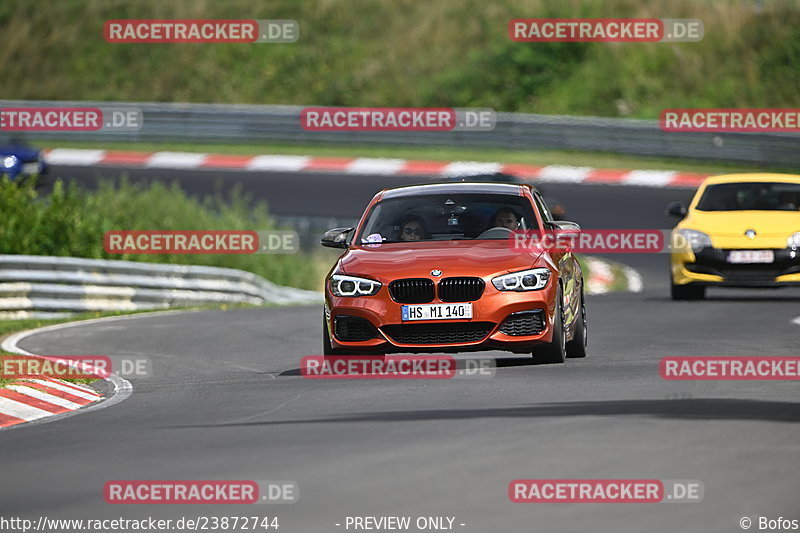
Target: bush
[72, 222]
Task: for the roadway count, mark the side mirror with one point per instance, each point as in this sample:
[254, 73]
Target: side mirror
[567, 226]
[336, 237]
[676, 209]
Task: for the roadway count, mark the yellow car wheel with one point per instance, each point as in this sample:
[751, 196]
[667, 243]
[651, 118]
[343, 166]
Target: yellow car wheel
[687, 292]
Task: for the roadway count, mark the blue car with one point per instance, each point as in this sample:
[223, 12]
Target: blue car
[19, 161]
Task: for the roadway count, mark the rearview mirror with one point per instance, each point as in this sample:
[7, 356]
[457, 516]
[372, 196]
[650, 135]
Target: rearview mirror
[676, 209]
[336, 237]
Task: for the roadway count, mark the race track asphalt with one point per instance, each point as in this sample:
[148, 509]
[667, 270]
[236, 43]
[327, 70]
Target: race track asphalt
[226, 402]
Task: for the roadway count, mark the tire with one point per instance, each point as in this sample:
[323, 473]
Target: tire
[687, 292]
[555, 351]
[577, 346]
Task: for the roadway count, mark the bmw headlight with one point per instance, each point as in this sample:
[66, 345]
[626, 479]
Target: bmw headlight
[696, 239]
[353, 286]
[794, 240]
[9, 161]
[525, 280]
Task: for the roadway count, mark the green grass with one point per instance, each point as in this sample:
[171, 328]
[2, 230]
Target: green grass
[409, 53]
[538, 157]
[72, 222]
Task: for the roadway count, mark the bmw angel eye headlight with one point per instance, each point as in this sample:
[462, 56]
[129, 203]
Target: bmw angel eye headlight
[794, 240]
[525, 280]
[696, 239]
[9, 161]
[353, 286]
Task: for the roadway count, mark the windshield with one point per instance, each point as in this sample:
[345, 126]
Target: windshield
[757, 196]
[447, 217]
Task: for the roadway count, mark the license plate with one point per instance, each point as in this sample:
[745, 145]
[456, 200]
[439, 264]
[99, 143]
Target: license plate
[437, 311]
[751, 256]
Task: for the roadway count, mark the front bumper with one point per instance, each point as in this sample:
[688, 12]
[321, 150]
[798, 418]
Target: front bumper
[710, 266]
[499, 321]
[26, 169]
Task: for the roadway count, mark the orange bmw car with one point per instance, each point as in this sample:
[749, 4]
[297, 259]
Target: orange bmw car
[434, 268]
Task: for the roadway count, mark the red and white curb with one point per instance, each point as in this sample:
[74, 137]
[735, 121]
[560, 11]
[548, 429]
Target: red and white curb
[31, 399]
[46, 399]
[370, 166]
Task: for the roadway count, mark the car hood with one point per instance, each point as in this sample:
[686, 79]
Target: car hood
[737, 222]
[385, 262]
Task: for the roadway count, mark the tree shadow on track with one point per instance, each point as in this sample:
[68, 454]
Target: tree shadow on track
[684, 409]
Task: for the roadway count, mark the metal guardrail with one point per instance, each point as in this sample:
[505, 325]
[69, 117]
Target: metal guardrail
[44, 286]
[170, 122]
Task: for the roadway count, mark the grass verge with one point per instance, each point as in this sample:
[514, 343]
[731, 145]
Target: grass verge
[405, 53]
[72, 222]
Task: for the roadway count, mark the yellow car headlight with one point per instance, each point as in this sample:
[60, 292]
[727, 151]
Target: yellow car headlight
[697, 240]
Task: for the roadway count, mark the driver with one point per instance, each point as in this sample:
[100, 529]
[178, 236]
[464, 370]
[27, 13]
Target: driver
[506, 217]
[786, 201]
[412, 228]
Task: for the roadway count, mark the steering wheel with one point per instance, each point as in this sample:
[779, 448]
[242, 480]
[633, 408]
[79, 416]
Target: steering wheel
[496, 233]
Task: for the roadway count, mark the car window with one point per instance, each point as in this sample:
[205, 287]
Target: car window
[543, 209]
[447, 217]
[755, 196]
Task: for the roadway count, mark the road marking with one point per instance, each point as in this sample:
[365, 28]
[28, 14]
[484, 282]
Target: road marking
[368, 165]
[49, 398]
[462, 168]
[649, 178]
[122, 387]
[796, 321]
[69, 390]
[372, 166]
[67, 156]
[20, 410]
[175, 160]
[564, 174]
[278, 163]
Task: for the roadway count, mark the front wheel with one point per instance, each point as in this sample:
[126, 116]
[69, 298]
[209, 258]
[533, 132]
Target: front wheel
[577, 346]
[556, 350]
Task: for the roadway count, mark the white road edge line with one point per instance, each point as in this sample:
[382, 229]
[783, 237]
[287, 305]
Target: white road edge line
[796, 321]
[122, 387]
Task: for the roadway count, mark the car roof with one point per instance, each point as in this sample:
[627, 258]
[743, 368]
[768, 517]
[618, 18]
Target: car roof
[453, 188]
[753, 177]
[484, 177]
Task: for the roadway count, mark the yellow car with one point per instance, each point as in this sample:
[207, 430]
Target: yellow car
[741, 230]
